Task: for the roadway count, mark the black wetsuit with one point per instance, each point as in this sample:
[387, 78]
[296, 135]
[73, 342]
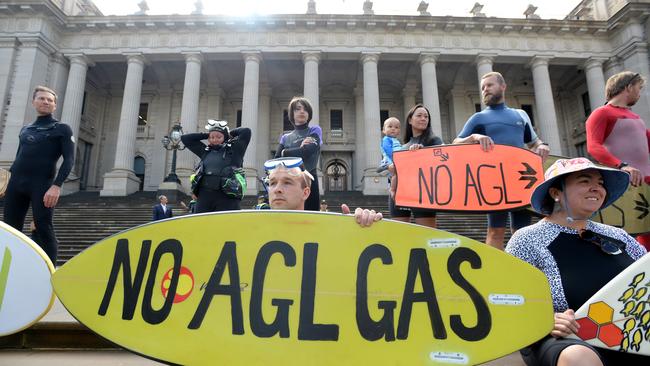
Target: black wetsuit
[215, 159]
[41, 145]
[310, 153]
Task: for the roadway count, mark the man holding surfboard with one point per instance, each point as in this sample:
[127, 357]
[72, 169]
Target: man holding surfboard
[289, 187]
[618, 137]
[500, 124]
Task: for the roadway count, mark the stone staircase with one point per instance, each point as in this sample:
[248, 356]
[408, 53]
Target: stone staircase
[84, 218]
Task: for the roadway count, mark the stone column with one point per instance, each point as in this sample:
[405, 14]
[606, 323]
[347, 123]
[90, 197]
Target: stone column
[547, 124]
[360, 138]
[122, 181]
[59, 80]
[408, 101]
[30, 69]
[311, 60]
[250, 109]
[372, 184]
[459, 116]
[161, 112]
[74, 92]
[484, 63]
[595, 82]
[189, 115]
[215, 103]
[613, 66]
[71, 108]
[263, 132]
[8, 53]
[635, 58]
[637, 61]
[430, 89]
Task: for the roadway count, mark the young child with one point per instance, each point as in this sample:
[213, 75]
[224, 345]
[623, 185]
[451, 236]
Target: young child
[389, 142]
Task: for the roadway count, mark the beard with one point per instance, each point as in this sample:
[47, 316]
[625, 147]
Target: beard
[492, 99]
[632, 102]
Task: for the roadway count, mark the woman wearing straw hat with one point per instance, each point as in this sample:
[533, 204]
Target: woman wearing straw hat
[570, 248]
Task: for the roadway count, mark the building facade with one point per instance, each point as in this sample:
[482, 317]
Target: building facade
[124, 81]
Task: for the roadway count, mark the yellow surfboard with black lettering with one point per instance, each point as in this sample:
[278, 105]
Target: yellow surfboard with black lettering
[297, 288]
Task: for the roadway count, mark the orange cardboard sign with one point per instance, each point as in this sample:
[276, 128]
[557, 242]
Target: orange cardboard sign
[466, 178]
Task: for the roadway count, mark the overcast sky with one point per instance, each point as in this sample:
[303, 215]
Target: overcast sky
[547, 9]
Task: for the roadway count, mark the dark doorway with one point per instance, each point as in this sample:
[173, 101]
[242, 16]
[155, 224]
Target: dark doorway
[138, 169]
[337, 176]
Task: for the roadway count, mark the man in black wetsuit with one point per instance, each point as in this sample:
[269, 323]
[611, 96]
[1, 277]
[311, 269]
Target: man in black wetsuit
[33, 180]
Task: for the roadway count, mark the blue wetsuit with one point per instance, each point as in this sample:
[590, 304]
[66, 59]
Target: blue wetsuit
[41, 145]
[505, 126]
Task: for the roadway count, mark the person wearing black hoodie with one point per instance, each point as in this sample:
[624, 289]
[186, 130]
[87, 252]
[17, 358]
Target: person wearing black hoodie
[224, 152]
[303, 142]
[33, 179]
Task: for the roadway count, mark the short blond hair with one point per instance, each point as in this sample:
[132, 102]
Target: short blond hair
[618, 82]
[305, 177]
[390, 119]
[496, 74]
[41, 88]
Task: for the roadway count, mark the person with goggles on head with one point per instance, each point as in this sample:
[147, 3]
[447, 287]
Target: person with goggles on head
[303, 142]
[289, 186]
[224, 153]
[578, 256]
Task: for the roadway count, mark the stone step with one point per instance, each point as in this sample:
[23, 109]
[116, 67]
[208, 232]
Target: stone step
[58, 339]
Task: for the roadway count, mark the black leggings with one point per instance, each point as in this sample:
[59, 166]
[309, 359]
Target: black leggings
[17, 199]
[209, 200]
[313, 201]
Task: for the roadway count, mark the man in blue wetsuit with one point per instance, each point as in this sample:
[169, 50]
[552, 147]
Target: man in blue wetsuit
[499, 124]
[33, 179]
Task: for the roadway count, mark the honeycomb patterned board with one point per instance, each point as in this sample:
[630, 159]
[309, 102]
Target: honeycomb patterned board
[618, 316]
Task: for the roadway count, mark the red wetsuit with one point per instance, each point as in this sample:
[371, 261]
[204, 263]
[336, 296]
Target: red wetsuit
[616, 135]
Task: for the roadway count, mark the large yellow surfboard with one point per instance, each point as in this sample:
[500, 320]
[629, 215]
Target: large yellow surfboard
[296, 288]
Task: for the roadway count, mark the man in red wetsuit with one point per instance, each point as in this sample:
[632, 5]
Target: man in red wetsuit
[618, 137]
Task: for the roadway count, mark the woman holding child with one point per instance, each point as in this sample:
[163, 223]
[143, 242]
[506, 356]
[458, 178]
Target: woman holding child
[578, 256]
[418, 134]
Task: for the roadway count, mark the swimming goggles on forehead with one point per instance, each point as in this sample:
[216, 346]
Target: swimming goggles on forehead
[608, 245]
[212, 124]
[294, 166]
